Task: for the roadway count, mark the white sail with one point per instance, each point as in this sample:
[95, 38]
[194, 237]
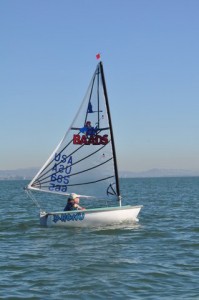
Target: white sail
[84, 162]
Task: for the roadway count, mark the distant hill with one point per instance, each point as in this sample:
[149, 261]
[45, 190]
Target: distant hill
[29, 173]
[160, 173]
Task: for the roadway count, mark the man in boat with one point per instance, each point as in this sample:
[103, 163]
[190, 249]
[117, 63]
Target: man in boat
[73, 203]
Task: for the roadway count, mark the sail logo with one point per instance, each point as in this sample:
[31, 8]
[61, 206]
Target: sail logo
[89, 135]
[90, 140]
[69, 217]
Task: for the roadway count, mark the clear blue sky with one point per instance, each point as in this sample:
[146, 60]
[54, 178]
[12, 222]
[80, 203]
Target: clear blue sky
[150, 51]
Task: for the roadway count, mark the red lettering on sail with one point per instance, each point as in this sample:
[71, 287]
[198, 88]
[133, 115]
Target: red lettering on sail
[104, 139]
[77, 139]
[84, 140]
[92, 140]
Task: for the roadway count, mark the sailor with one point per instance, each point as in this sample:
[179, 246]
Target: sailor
[90, 130]
[73, 203]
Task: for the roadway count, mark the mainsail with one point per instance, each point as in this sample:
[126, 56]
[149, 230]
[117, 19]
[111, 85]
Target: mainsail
[84, 162]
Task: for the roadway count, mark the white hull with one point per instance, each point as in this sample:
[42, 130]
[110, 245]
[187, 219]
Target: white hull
[91, 217]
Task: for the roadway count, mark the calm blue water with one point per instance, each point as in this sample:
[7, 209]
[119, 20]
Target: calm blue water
[157, 259]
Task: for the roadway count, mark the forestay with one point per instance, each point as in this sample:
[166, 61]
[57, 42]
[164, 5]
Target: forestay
[84, 162]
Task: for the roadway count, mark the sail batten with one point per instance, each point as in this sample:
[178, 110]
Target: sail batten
[84, 161]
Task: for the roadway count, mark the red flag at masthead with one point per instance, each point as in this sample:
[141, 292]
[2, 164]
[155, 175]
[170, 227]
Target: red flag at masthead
[98, 55]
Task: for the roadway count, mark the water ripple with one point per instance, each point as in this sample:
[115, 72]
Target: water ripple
[156, 259]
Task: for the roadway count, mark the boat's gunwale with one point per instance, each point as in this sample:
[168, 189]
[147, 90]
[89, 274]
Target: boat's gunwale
[91, 210]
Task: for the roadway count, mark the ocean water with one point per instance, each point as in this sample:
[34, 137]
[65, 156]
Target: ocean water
[156, 259]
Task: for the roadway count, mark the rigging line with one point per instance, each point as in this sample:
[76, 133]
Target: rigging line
[30, 195]
[105, 128]
[90, 155]
[98, 129]
[86, 170]
[91, 168]
[91, 93]
[91, 181]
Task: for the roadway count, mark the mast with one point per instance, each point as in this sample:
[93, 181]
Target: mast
[111, 132]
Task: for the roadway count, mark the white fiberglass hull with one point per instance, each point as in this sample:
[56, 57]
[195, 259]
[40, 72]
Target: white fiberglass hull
[91, 217]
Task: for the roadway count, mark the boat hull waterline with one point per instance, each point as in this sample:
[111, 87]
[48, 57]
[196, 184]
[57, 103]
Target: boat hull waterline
[91, 217]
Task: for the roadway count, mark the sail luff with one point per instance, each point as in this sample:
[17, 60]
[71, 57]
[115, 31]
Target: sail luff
[111, 131]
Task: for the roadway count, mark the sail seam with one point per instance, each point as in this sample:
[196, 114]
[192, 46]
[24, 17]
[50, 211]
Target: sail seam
[75, 184]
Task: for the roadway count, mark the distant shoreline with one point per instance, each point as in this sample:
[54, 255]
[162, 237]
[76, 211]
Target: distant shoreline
[29, 173]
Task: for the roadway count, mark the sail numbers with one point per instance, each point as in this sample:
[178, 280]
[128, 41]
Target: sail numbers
[61, 170]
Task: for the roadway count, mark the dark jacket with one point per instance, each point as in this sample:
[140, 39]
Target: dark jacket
[69, 206]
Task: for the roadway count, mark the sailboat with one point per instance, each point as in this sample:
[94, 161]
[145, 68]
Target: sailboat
[85, 163]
